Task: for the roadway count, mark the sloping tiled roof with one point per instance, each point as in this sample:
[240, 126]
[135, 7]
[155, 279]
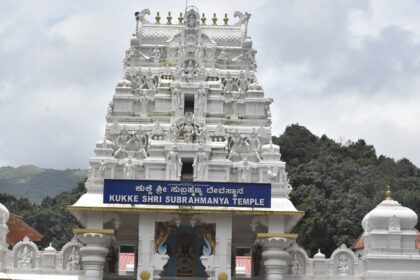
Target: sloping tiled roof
[18, 229]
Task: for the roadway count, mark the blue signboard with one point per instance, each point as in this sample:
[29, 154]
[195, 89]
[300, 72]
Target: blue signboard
[187, 193]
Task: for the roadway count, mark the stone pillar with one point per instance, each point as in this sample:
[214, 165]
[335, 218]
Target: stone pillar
[94, 252]
[146, 244]
[223, 247]
[274, 256]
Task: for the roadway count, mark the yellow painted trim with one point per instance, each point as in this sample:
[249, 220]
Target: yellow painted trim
[186, 210]
[93, 230]
[271, 235]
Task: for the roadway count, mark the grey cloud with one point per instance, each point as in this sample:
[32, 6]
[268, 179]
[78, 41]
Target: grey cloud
[62, 59]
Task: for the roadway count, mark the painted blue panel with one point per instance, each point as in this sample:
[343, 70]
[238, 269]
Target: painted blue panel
[187, 193]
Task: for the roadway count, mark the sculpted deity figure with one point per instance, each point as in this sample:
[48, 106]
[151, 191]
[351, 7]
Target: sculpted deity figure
[141, 140]
[234, 144]
[190, 71]
[156, 55]
[122, 141]
[177, 97]
[25, 258]
[255, 145]
[343, 264]
[192, 21]
[273, 174]
[245, 171]
[172, 133]
[157, 129]
[129, 55]
[135, 76]
[242, 84]
[150, 82]
[201, 134]
[189, 132]
[200, 166]
[267, 111]
[102, 168]
[250, 57]
[73, 261]
[200, 100]
[110, 108]
[199, 53]
[220, 131]
[296, 269]
[228, 84]
[129, 169]
[223, 57]
[144, 99]
[173, 165]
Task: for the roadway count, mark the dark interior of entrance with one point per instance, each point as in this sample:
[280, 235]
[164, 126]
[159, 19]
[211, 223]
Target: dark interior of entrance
[187, 169]
[188, 103]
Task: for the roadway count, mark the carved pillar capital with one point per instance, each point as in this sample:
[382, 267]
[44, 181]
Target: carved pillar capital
[274, 256]
[94, 252]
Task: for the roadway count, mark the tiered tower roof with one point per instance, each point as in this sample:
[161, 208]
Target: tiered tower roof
[189, 107]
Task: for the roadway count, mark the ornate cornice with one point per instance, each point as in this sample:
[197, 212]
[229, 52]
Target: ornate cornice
[186, 211]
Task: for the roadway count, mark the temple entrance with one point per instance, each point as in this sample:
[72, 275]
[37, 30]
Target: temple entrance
[184, 246]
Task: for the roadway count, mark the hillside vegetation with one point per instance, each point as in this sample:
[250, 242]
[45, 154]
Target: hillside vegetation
[35, 183]
[335, 184]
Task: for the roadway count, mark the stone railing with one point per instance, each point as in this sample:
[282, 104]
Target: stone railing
[26, 258]
[343, 264]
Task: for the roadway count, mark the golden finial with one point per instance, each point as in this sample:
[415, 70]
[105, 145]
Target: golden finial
[157, 18]
[388, 193]
[145, 275]
[169, 18]
[203, 19]
[180, 18]
[214, 19]
[222, 276]
[226, 19]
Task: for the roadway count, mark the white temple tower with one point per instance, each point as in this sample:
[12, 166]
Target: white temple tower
[188, 113]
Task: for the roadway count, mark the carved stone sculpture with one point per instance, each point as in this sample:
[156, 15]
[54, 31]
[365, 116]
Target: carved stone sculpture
[25, 258]
[173, 165]
[73, 260]
[200, 166]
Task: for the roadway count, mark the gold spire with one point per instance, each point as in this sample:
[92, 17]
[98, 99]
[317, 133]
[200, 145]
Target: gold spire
[226, 19]
[157, 18]
[180, 18]
[203, 19]
[388, 193]
[169, 18]
[214, 19]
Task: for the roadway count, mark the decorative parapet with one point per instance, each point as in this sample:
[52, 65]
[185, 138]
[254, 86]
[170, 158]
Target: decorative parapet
[343, 264]
[26, 258]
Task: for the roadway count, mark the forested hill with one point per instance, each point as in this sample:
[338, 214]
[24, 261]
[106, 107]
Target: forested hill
[35, 183]
[337, 184]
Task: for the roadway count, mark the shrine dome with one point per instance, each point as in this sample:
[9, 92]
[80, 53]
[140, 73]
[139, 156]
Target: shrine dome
[50, 249]
[4, 214]
[389, 212]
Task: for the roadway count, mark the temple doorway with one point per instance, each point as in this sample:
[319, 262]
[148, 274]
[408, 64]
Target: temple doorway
[185, 245]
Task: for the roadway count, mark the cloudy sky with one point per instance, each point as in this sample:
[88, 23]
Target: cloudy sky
[347, 69]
